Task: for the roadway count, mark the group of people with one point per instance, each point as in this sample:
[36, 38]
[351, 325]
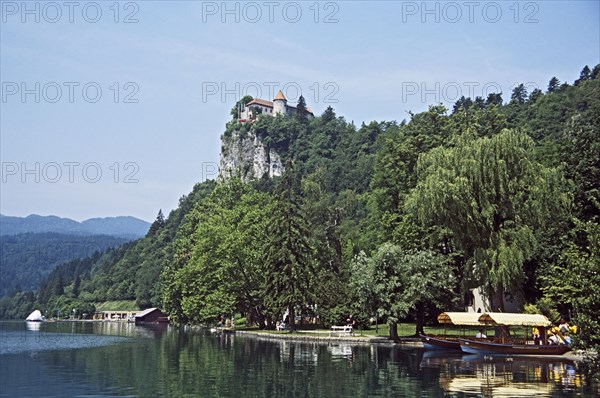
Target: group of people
[350, 321]
[559, 334]
[226, 323]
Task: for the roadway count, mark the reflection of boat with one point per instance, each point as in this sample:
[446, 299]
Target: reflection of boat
[500, 375]
[220, 329]
[491, 386]
[505, 344]
[340, 350]
[451, 359]
[486, 347]
[34, 326]
[35, 316]
[431, 341]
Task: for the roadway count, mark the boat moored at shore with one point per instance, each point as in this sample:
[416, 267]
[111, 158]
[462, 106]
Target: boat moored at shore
[506, 344]
[444, 341]
[485, 347]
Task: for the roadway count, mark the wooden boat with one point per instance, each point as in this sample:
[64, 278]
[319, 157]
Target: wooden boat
[440, 342]
[505, 344]
[486, 347]
[220, 329]
[450, 318]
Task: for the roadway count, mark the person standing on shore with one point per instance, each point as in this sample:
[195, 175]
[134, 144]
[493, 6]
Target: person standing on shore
[351, 321]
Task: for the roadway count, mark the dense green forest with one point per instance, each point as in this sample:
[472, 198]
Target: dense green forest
[397, 220]
[27, 258]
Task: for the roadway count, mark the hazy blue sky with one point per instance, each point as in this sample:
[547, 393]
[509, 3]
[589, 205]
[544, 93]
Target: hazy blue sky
[117, 108]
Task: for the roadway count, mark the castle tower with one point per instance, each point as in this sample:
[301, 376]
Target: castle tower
[279, 104]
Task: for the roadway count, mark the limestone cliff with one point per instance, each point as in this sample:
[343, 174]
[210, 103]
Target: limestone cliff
[244, 154]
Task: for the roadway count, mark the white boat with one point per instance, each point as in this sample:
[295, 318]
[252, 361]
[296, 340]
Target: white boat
[35, 316]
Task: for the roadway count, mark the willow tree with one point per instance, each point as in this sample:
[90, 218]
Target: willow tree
[494, 197]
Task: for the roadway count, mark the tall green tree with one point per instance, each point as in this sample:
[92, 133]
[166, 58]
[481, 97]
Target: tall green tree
[581, 152]
[519, 94]
[585, 75]
[406, 282]
[395, 175]
[362, 284]
[157, 224]
[492, 195]
[290, 258]
[553, 85]
[222, 255]
[574, 281]
[301, 108]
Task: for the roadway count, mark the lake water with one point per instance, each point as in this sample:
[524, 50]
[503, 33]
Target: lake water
[92, 359]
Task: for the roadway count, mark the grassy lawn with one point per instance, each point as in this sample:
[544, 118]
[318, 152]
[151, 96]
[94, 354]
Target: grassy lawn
[119, 305]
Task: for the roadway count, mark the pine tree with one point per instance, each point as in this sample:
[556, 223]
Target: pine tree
[535, 95]
[595, 72]
[553, 84]
[585, 75]
[519, 94]
[301, 108]
[157, 224]
[290, 255]
[494, 99]
[328, 115]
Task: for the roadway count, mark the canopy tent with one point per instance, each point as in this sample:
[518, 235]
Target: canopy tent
[460, 318]
[508, 319]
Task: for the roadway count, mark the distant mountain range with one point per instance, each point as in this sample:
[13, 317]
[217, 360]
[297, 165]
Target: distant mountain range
[122, 227]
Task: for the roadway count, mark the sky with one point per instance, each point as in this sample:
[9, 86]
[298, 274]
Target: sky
[116, 108]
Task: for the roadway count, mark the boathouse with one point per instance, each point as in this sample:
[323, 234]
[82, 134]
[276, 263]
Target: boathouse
[116, 315]
[151, 315]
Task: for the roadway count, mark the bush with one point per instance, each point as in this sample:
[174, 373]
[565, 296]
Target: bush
[544, 306]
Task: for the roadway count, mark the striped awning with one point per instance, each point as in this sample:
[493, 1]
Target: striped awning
[460, 318]
[508, 319]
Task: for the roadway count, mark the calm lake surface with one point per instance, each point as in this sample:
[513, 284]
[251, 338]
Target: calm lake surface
[91, 359]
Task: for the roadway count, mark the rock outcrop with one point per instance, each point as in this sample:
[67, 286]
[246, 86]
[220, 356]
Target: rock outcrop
[245, 155]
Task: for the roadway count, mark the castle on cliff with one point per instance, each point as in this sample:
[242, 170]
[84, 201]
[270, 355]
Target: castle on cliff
[260, 106]
[246, 155]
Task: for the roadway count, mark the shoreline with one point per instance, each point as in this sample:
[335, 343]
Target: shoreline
[324, 337]
[576, 356]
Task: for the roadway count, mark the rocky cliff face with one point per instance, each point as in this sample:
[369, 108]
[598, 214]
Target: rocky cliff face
[245, 155]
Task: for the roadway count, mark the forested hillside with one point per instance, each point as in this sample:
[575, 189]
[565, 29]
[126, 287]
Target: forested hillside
[397, 219]
[129, 272]
[25, 259]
